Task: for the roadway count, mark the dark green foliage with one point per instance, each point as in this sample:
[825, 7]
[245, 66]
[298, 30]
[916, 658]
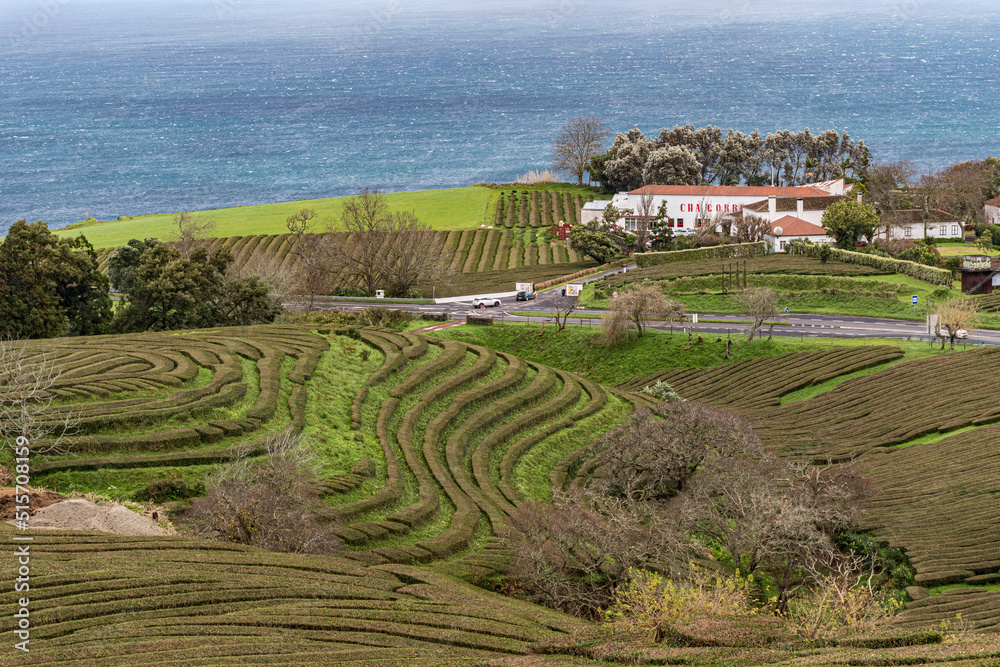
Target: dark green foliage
[167, 291]
[124, 263]
[824, 253]
[169, 489]
[847, 221]
[50, 286]
[594, 243]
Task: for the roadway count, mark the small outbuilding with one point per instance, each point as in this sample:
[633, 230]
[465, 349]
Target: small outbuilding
[978, 274]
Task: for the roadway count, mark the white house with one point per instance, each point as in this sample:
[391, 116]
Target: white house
[789, 228]
[810, 209]
[992, 210]
[692, 206]
[917, 223]
[592, 210]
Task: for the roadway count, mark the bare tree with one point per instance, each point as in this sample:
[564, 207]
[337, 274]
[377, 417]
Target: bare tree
[655, 453]
[644, 217]
[954, 314]
[641, 303]
[572, 554]
[750, 228]
[411, 254]
[760, 303]
[565, 305]
[364, 220]
[28, 383]
[314, 258]
[191, 231]
[580, 139]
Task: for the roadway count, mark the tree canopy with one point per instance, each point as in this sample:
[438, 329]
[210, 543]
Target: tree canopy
[50, 286]
[685, 155]
[847, 221]
[164, 290]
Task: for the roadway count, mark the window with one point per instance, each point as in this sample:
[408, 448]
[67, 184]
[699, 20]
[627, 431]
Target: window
[782, 245]
[955, 231]
[680, 222]
[907, 232]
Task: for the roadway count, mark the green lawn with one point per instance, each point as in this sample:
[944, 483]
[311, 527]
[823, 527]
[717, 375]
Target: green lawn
[447, 209]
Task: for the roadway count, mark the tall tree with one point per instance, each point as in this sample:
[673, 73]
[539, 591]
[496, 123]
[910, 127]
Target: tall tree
[64, 267]
[847, 221]
[580, 140]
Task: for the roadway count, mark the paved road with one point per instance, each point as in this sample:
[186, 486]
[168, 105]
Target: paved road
[794, 325]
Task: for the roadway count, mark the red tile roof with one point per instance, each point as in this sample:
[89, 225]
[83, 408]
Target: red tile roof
[792, 226]
[731, 191]
[993, 202]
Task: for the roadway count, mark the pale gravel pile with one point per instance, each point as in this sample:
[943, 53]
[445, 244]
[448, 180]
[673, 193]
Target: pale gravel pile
[80, 514]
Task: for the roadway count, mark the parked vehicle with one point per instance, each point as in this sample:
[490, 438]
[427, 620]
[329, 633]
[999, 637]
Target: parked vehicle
[961, 333]
[525, 295]
[488, 302]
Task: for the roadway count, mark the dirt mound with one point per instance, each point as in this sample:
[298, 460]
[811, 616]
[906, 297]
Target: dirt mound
[36, 501]
[80, 514]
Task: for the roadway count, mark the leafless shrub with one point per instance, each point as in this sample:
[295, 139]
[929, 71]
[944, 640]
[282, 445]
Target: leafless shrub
[190, 232]
[750, 228]
[27, 379]
[635, 308]
[654, 454]
[571, 555]
[269, 501]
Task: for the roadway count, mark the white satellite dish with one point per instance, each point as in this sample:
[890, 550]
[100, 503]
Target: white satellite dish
[777, 231]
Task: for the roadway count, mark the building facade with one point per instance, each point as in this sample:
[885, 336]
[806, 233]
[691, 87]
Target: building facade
[913, 224]
[992, 210]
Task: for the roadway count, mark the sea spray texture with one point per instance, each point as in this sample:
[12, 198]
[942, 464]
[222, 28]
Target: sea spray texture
[121, 107]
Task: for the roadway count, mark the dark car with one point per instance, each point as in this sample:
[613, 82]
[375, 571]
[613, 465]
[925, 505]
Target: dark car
[525, 295]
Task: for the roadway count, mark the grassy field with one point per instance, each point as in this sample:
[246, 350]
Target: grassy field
[448, 209]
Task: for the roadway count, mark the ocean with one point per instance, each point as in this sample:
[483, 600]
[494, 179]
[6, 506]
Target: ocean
[123, 107]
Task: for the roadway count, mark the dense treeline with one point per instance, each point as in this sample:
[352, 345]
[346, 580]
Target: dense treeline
[685, 155]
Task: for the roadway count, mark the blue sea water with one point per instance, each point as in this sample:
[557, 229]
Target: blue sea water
[121, 107]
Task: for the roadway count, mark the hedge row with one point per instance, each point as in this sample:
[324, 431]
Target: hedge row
[736, 250]
[928, 274]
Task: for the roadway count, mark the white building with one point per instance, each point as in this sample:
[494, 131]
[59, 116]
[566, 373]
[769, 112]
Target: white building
[789, 228]
[692, 206]
[810, 209]
[917, 223]
[992, 211]
[593, 210]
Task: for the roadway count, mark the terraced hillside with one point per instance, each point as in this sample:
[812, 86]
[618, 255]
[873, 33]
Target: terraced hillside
[923, 430]
[99, 599]
[460, 435]
[496, 256]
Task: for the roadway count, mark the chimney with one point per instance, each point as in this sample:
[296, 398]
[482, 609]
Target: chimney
[859, 198]
[799, 208]
[772, 206]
